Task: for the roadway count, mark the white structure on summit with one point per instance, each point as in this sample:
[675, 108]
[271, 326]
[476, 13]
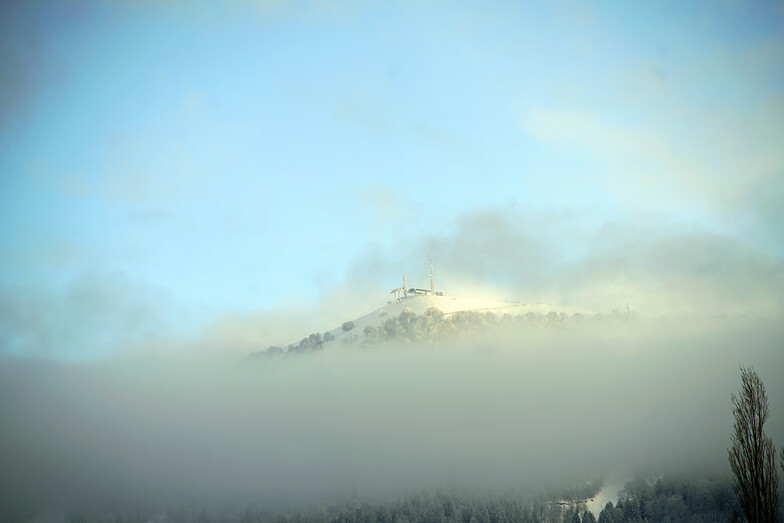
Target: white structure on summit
[404, 292]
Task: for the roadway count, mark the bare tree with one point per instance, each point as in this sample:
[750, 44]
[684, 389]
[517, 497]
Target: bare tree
[752, 455]
[781, 458]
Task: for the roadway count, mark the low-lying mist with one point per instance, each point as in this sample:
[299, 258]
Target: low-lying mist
[507, 412]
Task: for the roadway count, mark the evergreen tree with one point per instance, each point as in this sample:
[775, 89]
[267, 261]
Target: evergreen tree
[645, 503]
[631, 510]
[607, 515]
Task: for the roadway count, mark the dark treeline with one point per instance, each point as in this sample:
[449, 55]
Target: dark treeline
[429, 508]
[674, 499]
[668, 499]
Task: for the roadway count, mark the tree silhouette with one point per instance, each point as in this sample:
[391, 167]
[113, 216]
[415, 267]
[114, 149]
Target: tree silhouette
[781, 458]
[607, 514]
[752, 455]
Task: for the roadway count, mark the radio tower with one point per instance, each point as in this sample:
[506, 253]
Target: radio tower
[432, 286]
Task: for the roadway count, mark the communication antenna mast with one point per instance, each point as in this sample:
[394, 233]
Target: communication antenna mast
[432, 286]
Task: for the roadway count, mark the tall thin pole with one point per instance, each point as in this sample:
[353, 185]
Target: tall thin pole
[432, 285]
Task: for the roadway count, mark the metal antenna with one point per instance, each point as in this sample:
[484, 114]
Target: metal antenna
[432, 286]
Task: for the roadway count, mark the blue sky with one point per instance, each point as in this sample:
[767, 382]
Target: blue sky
[166, 164]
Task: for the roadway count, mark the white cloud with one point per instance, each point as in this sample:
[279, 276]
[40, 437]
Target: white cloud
[704, 167]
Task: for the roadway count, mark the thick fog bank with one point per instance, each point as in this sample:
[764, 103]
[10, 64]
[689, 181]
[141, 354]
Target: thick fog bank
[498, 413]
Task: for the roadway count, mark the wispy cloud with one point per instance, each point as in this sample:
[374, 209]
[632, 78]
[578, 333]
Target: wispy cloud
[659, 266]
[96, 316]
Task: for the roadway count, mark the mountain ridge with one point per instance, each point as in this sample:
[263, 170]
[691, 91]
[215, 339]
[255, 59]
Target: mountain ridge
[365, 328]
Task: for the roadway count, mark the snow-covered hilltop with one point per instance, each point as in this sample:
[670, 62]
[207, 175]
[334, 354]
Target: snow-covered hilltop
[417, 314]
[449, 305]
[426, 316]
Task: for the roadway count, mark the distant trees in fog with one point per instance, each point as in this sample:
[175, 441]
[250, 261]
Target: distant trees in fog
[665, 500]
[311, 343]
[588, 517]
[673, 499]
[435, 326]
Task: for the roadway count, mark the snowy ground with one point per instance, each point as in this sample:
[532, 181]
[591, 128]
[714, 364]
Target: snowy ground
[609, 492]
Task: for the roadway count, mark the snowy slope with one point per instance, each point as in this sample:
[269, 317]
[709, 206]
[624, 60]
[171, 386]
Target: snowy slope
[448, 305]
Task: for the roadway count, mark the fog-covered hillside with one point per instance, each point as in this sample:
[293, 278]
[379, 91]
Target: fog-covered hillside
[435, 318]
